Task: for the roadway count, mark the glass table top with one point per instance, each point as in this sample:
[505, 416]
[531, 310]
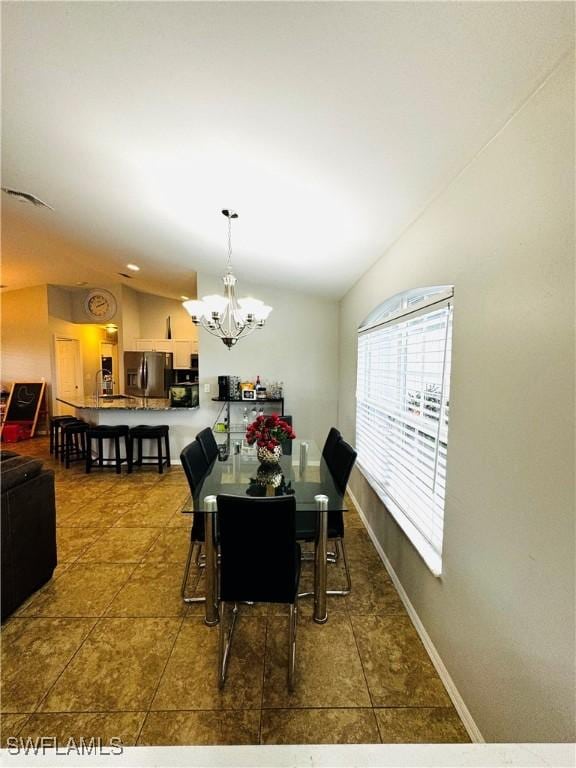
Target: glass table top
[303, 474]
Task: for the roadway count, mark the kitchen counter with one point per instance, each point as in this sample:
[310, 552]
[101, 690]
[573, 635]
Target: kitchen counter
[183, 423]
[123, 403]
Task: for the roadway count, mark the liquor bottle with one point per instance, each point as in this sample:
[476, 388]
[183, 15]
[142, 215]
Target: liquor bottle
[260, 390]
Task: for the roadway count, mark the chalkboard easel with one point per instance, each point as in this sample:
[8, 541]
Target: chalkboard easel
[24, 404]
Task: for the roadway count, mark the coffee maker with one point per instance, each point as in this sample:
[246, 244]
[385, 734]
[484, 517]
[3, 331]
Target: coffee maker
[223, 387]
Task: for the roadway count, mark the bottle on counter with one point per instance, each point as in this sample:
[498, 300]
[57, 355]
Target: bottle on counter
[260, 390]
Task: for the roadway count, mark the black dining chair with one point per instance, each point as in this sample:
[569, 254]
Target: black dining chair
[334, 436]
[208, 444]
[196, 468]
[259, 563]
[332, 440]
[342, 459]
[287, 444]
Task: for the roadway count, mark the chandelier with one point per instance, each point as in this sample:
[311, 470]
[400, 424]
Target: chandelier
[226, 316]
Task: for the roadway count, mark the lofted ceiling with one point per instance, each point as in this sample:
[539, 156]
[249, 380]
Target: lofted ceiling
[328, 126]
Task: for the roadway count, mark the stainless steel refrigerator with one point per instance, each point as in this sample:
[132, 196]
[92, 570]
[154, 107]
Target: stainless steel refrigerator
[147, 374]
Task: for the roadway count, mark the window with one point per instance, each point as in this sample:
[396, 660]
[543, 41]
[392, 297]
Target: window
[403, 393]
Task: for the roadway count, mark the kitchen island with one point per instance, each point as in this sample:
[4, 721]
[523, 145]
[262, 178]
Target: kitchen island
[184, 423]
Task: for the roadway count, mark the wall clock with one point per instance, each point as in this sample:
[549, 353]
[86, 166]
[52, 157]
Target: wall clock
[100, 305]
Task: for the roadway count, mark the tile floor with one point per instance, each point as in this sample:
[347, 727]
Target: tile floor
[107, 649]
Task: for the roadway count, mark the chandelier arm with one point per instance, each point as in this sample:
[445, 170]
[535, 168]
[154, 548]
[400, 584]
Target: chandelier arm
[218, 332]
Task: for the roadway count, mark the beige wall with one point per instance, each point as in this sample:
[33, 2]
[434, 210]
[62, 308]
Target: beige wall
[154, 310]
[502, 614]
[130, 323]
[25, 353]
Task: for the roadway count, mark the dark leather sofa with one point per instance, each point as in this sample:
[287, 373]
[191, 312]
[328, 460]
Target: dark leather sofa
[28, 517]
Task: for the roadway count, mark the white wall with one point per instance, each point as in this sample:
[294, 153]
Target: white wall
[502, 614]
[298, 346]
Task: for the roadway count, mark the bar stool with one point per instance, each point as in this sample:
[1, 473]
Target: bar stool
[144, 432]
[113, 434]
[73, 441]
[56, 423]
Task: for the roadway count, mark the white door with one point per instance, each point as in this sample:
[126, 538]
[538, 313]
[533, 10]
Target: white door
[68, 373]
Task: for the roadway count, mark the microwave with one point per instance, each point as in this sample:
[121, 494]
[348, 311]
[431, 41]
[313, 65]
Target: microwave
[184, 395]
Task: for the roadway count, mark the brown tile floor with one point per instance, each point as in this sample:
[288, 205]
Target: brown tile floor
[107, 648]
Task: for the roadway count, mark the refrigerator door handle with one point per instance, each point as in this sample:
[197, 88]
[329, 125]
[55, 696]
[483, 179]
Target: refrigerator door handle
[145, 372]
[141, 384]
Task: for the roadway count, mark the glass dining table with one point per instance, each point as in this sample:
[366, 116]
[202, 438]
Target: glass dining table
[303, 474]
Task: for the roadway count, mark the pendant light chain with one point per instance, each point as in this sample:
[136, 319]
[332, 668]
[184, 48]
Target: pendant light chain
[229, 265]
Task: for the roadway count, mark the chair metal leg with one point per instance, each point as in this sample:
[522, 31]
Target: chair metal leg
[225, 642]
[340, 546]
[292, 644]
[186, 598]
[200, 561]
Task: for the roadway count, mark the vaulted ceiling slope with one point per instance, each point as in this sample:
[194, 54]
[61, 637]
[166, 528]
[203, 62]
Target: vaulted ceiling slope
[328, 126]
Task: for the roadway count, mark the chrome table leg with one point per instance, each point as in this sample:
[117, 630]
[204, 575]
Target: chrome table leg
[320, 564]
[211, 615]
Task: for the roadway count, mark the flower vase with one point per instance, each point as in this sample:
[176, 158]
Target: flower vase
[267, 457]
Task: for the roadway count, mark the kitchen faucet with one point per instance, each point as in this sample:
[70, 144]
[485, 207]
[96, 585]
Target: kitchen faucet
[103, 371]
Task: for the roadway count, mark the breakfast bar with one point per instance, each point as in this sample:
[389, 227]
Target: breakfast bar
[133, 411]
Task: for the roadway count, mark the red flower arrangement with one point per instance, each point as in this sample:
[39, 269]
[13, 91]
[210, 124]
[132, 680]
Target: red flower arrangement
[269, 431]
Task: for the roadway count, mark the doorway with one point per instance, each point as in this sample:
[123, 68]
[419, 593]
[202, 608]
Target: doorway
[68, 373]
[109, 362]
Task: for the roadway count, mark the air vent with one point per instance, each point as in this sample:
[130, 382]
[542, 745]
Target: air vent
[26, 197]
[123, 274]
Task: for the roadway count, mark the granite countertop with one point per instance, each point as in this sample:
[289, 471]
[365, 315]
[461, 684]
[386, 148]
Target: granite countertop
[123, 403]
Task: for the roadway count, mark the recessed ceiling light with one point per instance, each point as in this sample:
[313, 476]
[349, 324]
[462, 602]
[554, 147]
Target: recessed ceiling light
[82, 282]
[133, 267]
[184, 298]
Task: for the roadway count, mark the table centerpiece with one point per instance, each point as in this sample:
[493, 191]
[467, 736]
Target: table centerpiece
[269, 432]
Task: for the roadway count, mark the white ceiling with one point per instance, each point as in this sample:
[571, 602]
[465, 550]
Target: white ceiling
[328, 126]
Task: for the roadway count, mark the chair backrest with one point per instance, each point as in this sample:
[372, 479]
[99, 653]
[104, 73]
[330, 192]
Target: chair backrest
[333, 438]
[196, 469]
[342, 462]
[195, 465]
[259, 554]
[209, 444]
[287, 444]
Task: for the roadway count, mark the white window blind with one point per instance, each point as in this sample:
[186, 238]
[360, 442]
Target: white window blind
[403, 394]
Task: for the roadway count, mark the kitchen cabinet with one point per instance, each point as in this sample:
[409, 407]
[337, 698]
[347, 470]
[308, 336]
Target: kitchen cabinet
[181, 349]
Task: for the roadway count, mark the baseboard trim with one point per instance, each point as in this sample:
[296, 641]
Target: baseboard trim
[457, 700]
